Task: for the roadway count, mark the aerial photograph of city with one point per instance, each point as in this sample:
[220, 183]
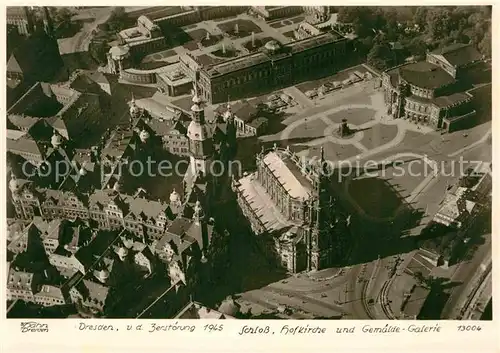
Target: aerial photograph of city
[249, 162]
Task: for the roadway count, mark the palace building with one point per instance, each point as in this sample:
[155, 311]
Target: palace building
[428, 92]
[274, 66]
[288, 198]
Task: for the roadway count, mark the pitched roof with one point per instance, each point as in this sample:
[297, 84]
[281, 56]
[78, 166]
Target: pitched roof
[151, 209]
[96, 290]
[25, 145]
[13, 65]
[50, 291]
[459, 54]
[244, 110]
[22, 122]
[20, 280]
[288, 175]
[455, 98]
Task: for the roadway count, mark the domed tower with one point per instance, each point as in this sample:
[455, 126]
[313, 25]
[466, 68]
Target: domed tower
[230, 131]
[47, 22]
[229, 307]
[14, 186]
[175, 199]
[199, 137]
[117, 186]
[134, 110]
[199, 221]
[122, 253]
[198, 215]
[144, 136]
[103, 274]
[56, 140]
[320, 219]
[228, 114]
[82, 171]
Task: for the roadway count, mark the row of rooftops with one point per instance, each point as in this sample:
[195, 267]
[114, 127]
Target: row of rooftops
[461, 201]
[96, 258]
[458, 54]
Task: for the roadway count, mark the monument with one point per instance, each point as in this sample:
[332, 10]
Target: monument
[344, 130]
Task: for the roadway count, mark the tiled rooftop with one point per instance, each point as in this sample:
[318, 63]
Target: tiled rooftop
[459, 54]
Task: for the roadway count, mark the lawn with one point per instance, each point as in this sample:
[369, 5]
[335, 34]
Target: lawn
[198, 34]
[404, 178]
[192, 45]
[297, 19]
[278, 24]
[227, 53]
[212, 40]
[258, 43]
[206, 60]
[375, 196]
[289, 34]
[239, 28]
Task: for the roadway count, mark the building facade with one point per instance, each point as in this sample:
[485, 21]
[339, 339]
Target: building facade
[275, 66]
[288, 198]
[428, 92]
[269, 13]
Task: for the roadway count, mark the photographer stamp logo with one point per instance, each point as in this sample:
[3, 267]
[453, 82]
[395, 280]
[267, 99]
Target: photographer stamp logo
[33, 326]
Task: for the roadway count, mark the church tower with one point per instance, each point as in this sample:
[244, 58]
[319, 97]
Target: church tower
[48, 24]
[199, 138]
[321, 241]
[230, 132]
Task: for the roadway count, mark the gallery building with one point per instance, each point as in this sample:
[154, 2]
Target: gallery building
[429, 92]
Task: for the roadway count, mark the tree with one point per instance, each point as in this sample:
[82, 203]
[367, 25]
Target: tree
[63, 15]
[380, 56]
[98, 51]
[439, 22]
[117, 19]
[417, 47]
[484, 45]
[420, 17]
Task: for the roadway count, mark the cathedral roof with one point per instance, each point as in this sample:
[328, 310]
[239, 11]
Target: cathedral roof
[288, 175]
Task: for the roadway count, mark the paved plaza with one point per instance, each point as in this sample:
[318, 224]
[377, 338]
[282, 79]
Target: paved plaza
[352, 292]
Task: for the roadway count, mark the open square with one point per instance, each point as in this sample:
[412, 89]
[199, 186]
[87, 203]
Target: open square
[356, 116]
[378, 135]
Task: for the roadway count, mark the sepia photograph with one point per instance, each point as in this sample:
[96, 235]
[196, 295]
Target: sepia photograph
[249, 162]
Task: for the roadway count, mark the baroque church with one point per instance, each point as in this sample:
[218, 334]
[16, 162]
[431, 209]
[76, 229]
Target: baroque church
[289, 199]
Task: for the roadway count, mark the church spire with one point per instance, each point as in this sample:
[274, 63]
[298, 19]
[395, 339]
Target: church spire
[47, 21]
